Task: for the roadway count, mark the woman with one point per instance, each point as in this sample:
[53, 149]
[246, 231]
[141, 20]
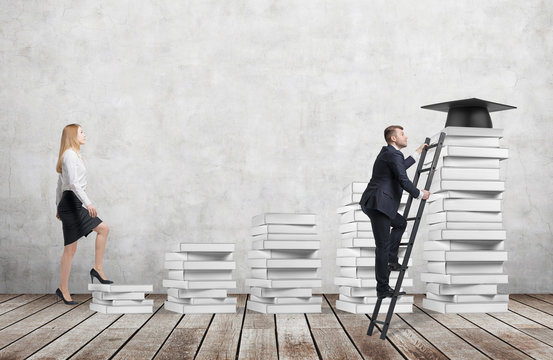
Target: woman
[77, 220]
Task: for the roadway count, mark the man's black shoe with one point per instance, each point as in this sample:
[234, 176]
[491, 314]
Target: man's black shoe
[388, 293]
[394, 266]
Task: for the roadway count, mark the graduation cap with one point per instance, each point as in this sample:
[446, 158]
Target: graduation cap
[469, 112]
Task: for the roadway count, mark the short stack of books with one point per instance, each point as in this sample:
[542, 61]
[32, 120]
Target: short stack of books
[465, 248]
[120, 299]
[198, 277]
[356, 259]
[284, 260]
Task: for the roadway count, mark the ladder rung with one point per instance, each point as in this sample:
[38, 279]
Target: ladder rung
[432, 146]
[412, 218]
[380, 322]
[425, 169]
[403, 244]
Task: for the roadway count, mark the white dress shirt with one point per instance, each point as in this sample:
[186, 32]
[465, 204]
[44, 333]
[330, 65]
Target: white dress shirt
[72, 177]
[415, 156]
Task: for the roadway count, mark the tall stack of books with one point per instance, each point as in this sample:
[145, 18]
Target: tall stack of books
[284, 260]
[120, 299]
[198, 277]
[356, 259]
[465, 247]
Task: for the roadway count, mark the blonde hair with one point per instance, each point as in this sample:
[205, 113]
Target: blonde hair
[68, 140]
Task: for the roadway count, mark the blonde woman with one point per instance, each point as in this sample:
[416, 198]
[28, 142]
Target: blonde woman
[75, 210]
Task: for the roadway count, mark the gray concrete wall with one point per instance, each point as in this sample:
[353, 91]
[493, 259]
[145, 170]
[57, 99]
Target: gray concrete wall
[201, 114]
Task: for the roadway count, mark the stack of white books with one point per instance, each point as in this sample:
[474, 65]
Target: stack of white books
[198, 277]
[284, 260]
[120, 299]
[356, 259]
[465, 247]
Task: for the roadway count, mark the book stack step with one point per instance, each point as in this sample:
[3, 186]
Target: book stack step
[121, 299]
[356, 259]
[284, 263]
[465, 246]
[198, 277]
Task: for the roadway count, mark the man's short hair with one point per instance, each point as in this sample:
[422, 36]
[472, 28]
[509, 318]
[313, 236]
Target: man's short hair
[391, 131]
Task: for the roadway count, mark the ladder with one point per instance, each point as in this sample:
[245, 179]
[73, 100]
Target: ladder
[409, 244]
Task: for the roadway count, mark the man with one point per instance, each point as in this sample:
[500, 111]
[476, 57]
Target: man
[380, 203]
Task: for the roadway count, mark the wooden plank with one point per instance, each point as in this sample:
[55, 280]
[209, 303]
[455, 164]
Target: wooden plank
[16, 302]
[49, 323]
[531, 313]
[438, 335]
[516, 338]
[223, 335]
[533, 302]
[26, 310]
[480, 339]
[544, 297]
[258, 339]
[294, 338]
[110, 340]
[184, 341]
[526, 325]
[6, 297]
[330, 338]
[356, 325]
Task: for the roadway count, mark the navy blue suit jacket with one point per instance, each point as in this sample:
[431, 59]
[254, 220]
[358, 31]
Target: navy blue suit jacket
[389, 179]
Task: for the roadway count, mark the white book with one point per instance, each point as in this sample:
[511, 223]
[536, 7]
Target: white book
[105, 309]
[285, 263]
[358, 234]
[286, 244]
[366, 272]
[359, 292]
[116, 288]
[200, 293]
[465, 256]
[468, 298]
[355, 187]
[201, 247]
[287, 300]
[372, 299]
[367, 282]
[351, 198]
[281, 293]
[485, 205]
[284, 254]
[451, 173]
[470, 289]
[454, 194]
[464, 279]
[200, 265]
[465, 245]
[199, 275]
[284, 274]
[284, 218]
[283, 308]
[204, 284]
[346, 208]
[288, 283]
[200, 309]
[464, 216]
[359, 252]
[464, 162]
[358, 243]
[449, 225]
[356, 308]
[199, 256]
[202, 301]
[355, 226]
[453, 308]
[354, 215]
[470, 131]
[472, 141]
[118, 296]
[464, 267]
[284, 229]
[290, 237]
[467, 235]
[474, 152]
[147, 302]
[466, 185]
[359, 262]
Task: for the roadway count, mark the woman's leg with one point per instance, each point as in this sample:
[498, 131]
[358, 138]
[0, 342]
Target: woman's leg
[101, 238]
[65, 268]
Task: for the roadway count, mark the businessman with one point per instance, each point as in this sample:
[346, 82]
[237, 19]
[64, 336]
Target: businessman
[380, 203]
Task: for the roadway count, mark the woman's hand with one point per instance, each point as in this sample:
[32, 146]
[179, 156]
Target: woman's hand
[92, 210]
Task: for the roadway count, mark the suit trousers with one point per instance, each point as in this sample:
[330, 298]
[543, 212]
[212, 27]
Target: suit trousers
[387, 243]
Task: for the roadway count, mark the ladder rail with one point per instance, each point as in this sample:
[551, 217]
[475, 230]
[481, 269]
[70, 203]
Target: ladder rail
[438, 145]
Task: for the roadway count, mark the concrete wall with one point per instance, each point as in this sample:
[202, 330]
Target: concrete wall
[201, 114]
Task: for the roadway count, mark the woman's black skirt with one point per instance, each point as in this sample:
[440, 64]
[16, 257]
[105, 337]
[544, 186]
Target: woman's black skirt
[75, 218]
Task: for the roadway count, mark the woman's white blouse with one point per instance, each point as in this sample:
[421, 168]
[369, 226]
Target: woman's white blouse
[72, 177]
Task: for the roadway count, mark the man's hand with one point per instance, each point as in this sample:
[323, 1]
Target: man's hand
[426, 194]
[419, 150]
[58, 216]
[92, 210]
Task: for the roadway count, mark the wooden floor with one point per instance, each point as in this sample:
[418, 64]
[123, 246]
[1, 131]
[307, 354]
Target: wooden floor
[36, 327]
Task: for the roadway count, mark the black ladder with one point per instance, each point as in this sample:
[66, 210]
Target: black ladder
[409, 244]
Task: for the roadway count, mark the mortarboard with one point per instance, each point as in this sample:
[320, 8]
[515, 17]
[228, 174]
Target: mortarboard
[469, 112]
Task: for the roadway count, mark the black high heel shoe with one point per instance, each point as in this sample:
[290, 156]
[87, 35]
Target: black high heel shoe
[94, 274]
[60, 295]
